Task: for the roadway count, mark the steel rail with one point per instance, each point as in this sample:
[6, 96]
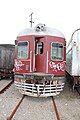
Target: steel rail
[55, 108]
[10, 116]
[77, 91]
[6, 87]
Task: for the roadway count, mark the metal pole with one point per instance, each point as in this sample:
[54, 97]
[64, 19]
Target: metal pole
[31, 21]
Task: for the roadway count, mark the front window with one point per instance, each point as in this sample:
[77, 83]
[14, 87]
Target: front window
[23, 50]
[56, 51]
[39, 49]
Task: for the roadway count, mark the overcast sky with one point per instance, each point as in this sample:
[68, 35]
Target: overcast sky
[63, 15]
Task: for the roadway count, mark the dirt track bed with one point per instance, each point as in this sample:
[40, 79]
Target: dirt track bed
[68, 104]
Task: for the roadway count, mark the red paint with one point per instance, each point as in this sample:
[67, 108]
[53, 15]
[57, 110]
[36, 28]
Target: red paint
[39, 62]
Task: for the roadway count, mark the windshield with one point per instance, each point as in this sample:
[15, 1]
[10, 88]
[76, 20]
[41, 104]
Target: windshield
[22, 50]
[56, 51]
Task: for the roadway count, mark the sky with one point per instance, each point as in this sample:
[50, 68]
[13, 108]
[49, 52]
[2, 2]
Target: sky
[63, 15]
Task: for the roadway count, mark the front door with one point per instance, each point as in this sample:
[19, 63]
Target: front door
[40, 54]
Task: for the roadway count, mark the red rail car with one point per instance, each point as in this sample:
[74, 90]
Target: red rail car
[40, 61]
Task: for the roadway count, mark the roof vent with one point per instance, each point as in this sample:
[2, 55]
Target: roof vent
[40, 27]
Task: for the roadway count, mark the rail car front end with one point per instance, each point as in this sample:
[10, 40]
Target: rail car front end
[40, 61]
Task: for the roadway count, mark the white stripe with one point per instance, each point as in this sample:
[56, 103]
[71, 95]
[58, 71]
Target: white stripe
[30, 61]
[34, 57]
[47, 63]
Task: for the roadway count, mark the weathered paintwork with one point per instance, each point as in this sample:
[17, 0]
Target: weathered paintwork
[39, 70]
[73, 58]
[43, 62]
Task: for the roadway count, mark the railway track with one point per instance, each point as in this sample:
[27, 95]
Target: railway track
[56, 110]
[14, 110]
[25, 107]
[10, 116]
[5, 87]
[8, 100]
[8, 90]
[37, 108]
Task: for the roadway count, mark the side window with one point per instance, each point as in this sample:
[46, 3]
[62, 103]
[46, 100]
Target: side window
[39, 48]
[22, 50]
[56, 51]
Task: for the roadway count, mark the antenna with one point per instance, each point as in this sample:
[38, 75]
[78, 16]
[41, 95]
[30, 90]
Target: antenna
[31, 21]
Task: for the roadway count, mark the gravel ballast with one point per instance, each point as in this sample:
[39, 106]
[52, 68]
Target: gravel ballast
[68, 103]
[35, 109]
[7, 101]
[4, 82]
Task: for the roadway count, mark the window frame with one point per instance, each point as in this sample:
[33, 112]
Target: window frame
[37, 46]
[26, 51]
[62, 52]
